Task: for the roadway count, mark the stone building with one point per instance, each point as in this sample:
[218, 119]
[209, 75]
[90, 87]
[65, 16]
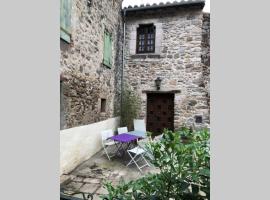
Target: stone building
[91, 89]
[105, 47]
[169, 42]
[91, 41]
[91, 60]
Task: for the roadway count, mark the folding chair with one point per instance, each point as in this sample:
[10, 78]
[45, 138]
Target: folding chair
[136, 154]
[122, 130]
[139, 126]
[107, 142]
[158, 138]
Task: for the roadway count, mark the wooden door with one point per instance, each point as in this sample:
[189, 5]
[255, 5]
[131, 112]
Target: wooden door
[160, 112]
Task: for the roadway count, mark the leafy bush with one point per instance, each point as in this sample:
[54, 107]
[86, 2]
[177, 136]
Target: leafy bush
[184, 170]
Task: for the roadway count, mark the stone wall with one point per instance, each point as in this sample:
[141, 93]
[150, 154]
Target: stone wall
[80, 143]
[85, 79]
[179, 61]
[206, 53]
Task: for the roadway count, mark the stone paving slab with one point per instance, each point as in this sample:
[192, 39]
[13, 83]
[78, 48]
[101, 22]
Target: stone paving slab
[101, 190]
[90, 188]
[73, 186]
[64, 178]
[90, 175]
[92, 180]
[77, 179]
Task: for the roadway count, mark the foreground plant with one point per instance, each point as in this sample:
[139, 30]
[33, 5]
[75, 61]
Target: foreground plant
[184, 170]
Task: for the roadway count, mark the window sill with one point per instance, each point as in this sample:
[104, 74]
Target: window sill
[65, 40]
[145, 55]
[106, 66]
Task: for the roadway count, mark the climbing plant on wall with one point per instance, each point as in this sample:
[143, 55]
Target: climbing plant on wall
[130, 109]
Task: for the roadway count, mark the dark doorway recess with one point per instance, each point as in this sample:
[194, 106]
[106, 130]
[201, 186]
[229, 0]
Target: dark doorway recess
[160, 112]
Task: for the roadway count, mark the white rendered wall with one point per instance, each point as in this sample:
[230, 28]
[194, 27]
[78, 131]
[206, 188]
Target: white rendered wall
[80, 143]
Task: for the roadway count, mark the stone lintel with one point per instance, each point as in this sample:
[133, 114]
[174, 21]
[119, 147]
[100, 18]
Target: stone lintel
[161, 91]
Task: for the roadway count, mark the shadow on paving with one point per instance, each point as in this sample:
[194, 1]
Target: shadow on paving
[90, 175]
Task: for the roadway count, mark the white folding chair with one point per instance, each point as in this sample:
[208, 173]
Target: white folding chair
[139, 128]
[158, 138]
[136, 154]
[106, 142]
[122, 130]
[139, 125]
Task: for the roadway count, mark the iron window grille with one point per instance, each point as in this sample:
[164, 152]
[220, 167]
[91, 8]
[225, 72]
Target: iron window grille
[146, 38]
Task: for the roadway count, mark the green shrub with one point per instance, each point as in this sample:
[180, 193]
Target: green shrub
[184, 170]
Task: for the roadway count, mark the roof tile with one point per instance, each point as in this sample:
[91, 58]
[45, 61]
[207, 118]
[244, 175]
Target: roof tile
[168, 3]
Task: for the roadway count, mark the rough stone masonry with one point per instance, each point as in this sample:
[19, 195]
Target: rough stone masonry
[181, 60]
[85, 79]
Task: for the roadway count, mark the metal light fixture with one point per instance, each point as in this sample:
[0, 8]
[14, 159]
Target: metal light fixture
[89, 2]
[158, 82]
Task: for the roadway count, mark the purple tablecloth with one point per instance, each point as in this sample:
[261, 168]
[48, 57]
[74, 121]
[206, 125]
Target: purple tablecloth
[124, 137]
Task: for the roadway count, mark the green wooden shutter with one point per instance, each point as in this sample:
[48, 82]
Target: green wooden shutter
[65, 20]
[107, 52]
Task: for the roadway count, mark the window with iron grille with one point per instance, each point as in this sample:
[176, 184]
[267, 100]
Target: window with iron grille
[146, 38]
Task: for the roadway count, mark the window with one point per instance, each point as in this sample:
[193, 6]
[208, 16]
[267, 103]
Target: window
[103, 105]
[107, 51]
[65, 20]
[146, 38]
[198, 119]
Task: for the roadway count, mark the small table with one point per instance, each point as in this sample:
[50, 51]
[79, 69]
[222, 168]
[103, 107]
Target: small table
[141, 134]
[124, 139]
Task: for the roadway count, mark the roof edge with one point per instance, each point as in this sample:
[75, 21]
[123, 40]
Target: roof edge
[165, 5]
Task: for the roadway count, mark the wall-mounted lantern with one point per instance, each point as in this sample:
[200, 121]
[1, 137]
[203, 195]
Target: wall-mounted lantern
[89, 2]
[158, 82]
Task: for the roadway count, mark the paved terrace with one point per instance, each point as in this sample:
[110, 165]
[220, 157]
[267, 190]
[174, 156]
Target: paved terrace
[89, 176]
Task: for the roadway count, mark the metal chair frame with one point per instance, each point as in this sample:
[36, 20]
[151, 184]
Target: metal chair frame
[106, 142]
